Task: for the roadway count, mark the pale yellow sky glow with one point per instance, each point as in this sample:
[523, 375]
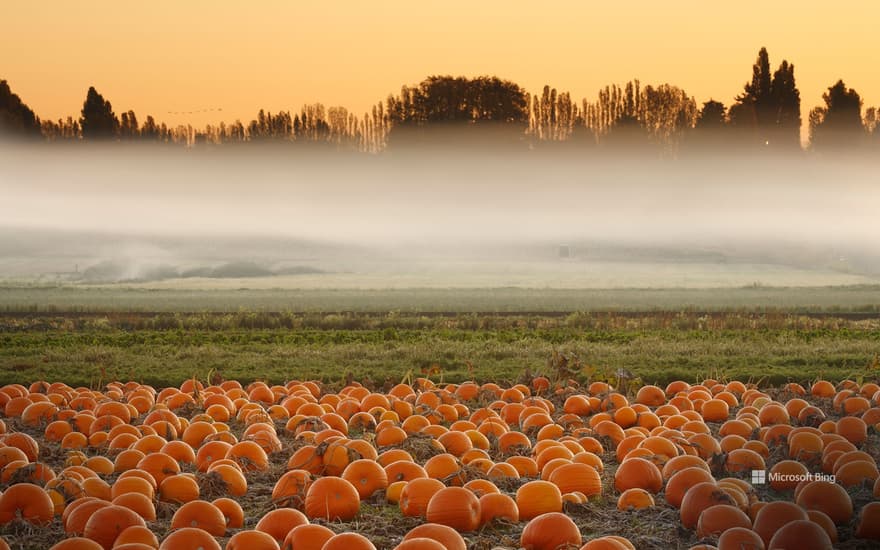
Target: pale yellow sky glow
[170, 56]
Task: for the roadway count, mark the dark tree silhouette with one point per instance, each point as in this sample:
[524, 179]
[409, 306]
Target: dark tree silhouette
[838, 125]
[150, 130]
[128, 126]
[446, 110]
[768, 110]
[713, 116]
[16, 118]
[787, 105]
[98, 121]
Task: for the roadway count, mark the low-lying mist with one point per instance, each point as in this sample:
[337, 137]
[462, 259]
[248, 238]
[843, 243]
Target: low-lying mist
[132, 213]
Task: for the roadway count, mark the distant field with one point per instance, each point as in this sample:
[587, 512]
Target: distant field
[379, 349]
[864, 298]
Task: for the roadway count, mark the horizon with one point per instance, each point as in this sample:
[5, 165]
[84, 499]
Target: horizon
[186, 78]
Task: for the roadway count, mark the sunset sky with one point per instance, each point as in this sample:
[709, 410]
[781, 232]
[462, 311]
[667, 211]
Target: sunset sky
[169, 56]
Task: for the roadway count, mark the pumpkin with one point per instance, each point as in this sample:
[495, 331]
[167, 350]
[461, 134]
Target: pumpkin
[202, 515]
[445, 535]
[638, 473]
[538, 497]
[280, 521]
[28, 501]
[822, 519]
[252, 540]
[577, 477]
[801, 535]
[416, 494]
[105, 524]
[717, 519]
[698, 498]
[857, 472]
[740, 538]
[683, 480]
[869, 522]
[634, 499]
[76, 543]
[179, 488]
[606, 543]
[332, 499]
[774, 515]
[290, 489]
[189, 538]
[419, 543]
[367, 476]
[826, 497]
[853, 429]
[497, 506]
[455, 507]
[348, 541]
[550, 531]
[232, 477]
[137, 534]
[307, 537]
[137, 503]
[232, 512]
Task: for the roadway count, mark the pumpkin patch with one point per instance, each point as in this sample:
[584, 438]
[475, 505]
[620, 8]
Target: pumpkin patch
[432, 465]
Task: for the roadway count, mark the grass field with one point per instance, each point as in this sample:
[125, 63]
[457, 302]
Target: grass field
[379, 349]
[13, 298]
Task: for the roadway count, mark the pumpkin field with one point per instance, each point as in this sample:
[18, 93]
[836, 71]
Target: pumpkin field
[548, 463]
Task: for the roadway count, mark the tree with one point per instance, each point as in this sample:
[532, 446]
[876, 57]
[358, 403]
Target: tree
[98, 121]
[787, 104]
[713, 116]
[446, 109]
[838, 125]
[16, 118]
[768, 110]
[128, 126]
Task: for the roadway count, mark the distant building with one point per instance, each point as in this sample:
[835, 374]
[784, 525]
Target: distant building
[564, 251]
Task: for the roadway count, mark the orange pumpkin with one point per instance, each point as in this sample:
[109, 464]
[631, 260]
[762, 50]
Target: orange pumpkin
[416, 494]
[189, 538]
[869, 522]
[367, 476]
[445, 535]
[717, 519]
[698, 498]
[577, 477]
[495, 506]
[538, 497]
[105, 525]
[550, 531]
[332, 499]
[179, 488]
[307, 537]
[826, 497]
[280, 521]
[200, 514]
[802, 535]
[232, 512]
[638, 473]
[28, 501]
[738, 538]
[635, 499]
[455, 507]
[252, 540]
[348, 541]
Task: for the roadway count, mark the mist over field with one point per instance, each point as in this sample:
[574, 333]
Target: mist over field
[140, 213]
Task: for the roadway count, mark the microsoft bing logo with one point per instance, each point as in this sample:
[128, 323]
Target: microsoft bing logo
[761, 477]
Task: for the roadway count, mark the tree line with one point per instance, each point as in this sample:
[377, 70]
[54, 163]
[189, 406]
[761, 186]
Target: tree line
[661, 118]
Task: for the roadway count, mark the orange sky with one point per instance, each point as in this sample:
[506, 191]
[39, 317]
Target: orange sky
[168, 56]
